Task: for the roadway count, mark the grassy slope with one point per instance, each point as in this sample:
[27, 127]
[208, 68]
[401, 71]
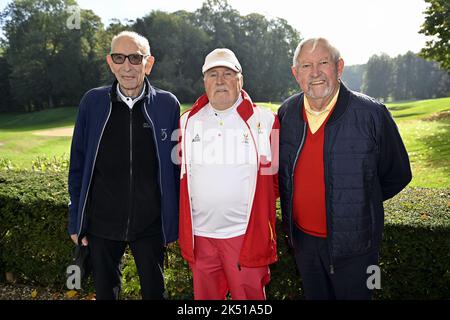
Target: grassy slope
[51, 118]
[426, 141]
[21, 146]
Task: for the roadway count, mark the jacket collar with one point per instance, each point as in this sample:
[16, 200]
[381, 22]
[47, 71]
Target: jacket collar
[149, 91]
[341, 103]
[296, 108]
[245, 109]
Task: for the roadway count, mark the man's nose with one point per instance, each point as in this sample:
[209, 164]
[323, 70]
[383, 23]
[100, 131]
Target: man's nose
[127, 64]
[315, 70]
[220, 78]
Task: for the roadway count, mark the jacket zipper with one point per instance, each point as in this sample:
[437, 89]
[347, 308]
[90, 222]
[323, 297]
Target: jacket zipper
[302, 142]
[130, 209]
[93, 166]
[256, 173]
[329, 235]
[159, 169]
[254, 187]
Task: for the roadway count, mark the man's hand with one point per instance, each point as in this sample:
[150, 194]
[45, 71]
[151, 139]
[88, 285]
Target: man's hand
[74, 238]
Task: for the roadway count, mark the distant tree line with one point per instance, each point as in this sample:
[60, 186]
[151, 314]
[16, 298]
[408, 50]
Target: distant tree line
[45, 64]
[405, 77]
[47, 61]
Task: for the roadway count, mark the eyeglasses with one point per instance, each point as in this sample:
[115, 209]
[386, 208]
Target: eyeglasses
[135, 58]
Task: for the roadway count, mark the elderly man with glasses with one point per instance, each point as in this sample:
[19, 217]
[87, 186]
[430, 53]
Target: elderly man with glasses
[120, 168]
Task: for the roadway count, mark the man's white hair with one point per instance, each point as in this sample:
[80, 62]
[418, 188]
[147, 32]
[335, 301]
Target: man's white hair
[335, 54]
[140, 40]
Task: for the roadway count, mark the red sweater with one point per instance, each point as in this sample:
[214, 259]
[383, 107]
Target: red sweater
[309, 184]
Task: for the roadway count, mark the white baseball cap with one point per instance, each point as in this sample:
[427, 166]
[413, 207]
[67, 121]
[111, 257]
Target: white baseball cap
[221, 57]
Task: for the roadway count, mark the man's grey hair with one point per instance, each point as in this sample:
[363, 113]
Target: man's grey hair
[142, 42]
[335, 54]
[238, 74]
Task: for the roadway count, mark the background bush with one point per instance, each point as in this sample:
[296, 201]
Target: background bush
[35, 246]
[33, 235]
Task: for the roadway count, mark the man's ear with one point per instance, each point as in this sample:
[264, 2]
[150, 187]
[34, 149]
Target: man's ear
[340, 67]
[294, 72]
[150, 60]
[110, 62]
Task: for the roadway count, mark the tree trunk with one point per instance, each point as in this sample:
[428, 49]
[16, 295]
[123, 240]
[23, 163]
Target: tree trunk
[50, 102]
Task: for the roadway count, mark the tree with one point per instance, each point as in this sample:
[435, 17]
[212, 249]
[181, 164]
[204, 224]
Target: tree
[6, 103]
[47, 64]
[264, 47]
[181, 40]
[437, 25]
[416, 78]
[353, 76]
[220, 21]
[405, 76]
[51, 64]
[267, 48]
[179, 48]
[377, 79]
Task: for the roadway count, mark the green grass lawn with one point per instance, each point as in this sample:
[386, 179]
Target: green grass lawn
[21, 146]
[425, 129]
[424, 126]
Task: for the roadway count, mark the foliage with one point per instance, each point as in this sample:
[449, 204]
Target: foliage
[377, 79]
[51, 64]
[405, 77]
[6, 103]
[55, 164]
[414, 253]
[67, 62]
[179, 48]
[131, 287]
[437, 25]
[416, 78]
[33, 235]
[353, 76]
[6, 164]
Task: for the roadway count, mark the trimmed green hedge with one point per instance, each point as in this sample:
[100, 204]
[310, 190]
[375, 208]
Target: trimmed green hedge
[34, 244]
[33, 216]
[415, 254]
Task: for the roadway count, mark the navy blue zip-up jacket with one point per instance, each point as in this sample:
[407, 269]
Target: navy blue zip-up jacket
[365, 163]
[162, 111]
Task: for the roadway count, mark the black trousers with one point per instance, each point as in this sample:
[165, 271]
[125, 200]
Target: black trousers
[347, 282]
[106, 256]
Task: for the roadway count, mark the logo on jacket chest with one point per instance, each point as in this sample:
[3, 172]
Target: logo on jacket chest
[164, 134]
[245, 138]
[196, 138]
